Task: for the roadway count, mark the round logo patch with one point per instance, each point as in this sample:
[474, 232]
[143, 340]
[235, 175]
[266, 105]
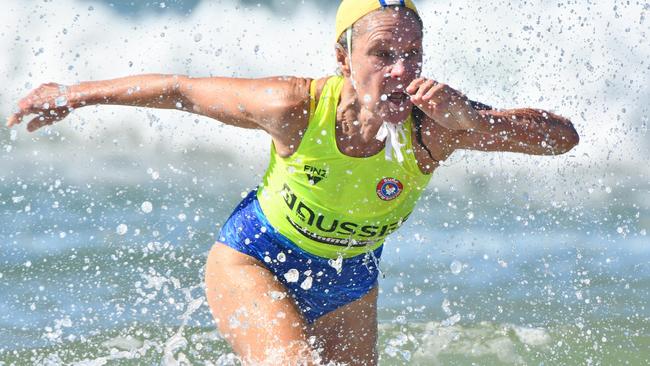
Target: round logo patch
[389, 188]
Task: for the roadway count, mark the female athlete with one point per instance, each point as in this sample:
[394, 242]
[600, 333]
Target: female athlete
[293, 277]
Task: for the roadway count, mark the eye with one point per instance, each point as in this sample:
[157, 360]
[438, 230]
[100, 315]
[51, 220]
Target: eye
[412, 53]
[383, 54]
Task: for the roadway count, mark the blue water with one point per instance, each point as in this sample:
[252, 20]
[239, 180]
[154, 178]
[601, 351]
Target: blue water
[479, 274]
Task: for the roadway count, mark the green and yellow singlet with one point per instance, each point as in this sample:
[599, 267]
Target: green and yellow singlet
[330, 204]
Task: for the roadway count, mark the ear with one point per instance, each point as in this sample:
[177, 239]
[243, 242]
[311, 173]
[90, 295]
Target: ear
[342, 60]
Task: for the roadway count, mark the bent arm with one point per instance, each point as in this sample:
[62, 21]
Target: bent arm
[473, 125]
[524, 130]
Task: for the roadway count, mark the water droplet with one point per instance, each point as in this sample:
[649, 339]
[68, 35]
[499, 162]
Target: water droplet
[121, 229]
[337, 263]
[146, 207]
[281, 257]
[292, 275]
[306, 284]
[456, 267]
[198, 37]
[446, 306]
[384, 97]
[61, 101]
[277, 295]
[451, 320]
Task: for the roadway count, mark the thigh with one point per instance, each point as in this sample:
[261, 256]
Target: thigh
[349, 334]
[253, 311]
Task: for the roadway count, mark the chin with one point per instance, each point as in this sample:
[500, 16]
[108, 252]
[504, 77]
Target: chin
[396, 116]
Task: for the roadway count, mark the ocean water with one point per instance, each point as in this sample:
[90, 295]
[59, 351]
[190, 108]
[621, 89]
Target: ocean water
[109, 268]
[107, 218]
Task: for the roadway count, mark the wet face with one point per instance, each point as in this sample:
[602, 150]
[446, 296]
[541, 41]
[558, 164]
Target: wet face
[386, 57]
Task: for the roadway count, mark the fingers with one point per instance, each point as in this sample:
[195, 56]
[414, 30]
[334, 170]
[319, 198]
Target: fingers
[414, 85]
[433, 91]
[428, 88]
[441, 103]
[25, 107]
[41, 101]
[46, 119]
[38, 122]
[422, 92]
[14, 119]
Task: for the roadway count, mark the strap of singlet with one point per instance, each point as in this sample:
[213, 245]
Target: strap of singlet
[312, 99]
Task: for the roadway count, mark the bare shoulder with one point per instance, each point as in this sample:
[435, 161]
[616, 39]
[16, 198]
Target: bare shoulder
[288, 104]
[283, 109]
[320, 84]
[295, 113]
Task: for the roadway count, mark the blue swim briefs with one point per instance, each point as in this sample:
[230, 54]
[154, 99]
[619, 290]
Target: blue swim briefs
[318, 285]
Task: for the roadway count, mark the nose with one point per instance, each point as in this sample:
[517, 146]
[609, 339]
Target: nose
[399, 69]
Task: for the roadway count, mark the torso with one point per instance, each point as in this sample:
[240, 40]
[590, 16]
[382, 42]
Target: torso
[438, 139]
[331, 203]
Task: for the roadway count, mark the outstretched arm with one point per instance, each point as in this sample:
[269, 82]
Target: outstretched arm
[278, 105]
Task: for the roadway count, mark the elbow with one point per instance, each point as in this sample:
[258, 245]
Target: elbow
[571, 138]
[574, 138]
[566, 142]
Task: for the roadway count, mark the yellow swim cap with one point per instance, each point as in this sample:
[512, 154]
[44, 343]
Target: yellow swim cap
[352, 10]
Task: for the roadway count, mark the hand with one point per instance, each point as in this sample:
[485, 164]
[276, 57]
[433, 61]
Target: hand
[50, 101]
[446, 106]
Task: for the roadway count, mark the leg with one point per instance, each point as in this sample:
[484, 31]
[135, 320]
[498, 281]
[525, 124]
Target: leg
[253, 310]
[349, 334]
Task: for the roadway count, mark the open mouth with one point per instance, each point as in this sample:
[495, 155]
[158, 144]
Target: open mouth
[397, 97]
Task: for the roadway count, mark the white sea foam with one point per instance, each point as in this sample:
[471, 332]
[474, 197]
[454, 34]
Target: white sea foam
[432, 341]
[123, 343]
[532, 336]
[596, 79]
